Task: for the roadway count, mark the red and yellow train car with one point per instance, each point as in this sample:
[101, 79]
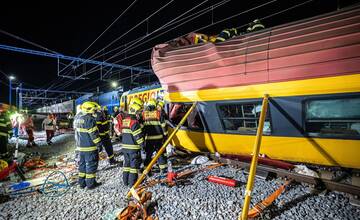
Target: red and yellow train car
[310, 69]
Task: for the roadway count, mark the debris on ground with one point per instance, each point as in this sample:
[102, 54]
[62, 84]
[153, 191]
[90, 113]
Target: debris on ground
[191, 197]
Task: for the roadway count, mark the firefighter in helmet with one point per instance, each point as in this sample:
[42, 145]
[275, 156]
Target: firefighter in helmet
[132, 144]
[5, 131]
[103, 125]
[88, 144]
[140, 103]
[155, 131]
[255, 26]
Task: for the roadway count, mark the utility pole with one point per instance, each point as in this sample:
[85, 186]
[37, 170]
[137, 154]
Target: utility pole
[10, 82]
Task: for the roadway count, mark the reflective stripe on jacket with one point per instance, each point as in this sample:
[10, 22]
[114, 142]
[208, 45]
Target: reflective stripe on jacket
[86, 132]
[132, 133]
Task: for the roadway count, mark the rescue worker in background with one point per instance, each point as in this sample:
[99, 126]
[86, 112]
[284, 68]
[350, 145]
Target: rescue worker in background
[160, 107]
[88, 143]
[15, 124]
[5, 132]
[49, 125]
[155, 131]
[103, 126]
[255, 26]
[226, 34]
[132, 144]
[118, 120]
[70, 117]
[140, 103]
[29, 128]
[113, 117]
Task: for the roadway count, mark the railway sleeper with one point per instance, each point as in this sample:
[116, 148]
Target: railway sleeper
[319, 184]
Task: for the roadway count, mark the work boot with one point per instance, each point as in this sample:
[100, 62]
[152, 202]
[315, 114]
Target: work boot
[82, 186]
[96, 184]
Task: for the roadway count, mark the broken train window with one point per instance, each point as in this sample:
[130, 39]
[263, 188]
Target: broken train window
[333, 117]
[242, 117]
[177, 112]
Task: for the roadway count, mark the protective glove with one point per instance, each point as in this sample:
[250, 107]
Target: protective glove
[143, 154]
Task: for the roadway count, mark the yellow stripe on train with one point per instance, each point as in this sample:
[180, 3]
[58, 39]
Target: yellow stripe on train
[333, 152]
[325, 85]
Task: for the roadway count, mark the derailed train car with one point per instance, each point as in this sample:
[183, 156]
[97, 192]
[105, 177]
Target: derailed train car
[309, 68]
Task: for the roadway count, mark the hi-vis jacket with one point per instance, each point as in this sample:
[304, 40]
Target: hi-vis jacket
[86, 132]
[154, 125]
[132, 133]
[103, 125]
[5, 126]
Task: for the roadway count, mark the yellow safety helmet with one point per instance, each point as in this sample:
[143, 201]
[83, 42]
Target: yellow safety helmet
[89, 107]
[161, 104]
[116, 108]
[151, 102]
[134, 108]
[138, 101]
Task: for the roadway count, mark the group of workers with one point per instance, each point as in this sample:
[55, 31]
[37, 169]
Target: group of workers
[143, 128]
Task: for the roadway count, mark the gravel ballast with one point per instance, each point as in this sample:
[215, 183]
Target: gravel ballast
[197, 199]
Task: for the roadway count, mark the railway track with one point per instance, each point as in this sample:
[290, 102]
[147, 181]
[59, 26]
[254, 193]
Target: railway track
[320, 183]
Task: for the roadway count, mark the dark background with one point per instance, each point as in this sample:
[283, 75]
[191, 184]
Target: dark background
[68, 28]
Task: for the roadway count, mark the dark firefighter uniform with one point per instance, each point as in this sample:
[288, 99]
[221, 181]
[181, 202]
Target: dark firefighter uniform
[255, 26]
[226, 34]
[155, 131]
[88, 142]
[5, 132]
[103, 125]
[132, 143]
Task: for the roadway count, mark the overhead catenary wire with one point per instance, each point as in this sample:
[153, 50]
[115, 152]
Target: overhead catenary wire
[27, 41]
[137, 25]
[212, 23]
[168, 23]
[106, 29]
[95, 81]
[174, 21]
[54, 82]
[263, 18]
[154, 13]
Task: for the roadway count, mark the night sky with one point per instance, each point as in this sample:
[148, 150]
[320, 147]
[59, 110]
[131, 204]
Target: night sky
[69, 28]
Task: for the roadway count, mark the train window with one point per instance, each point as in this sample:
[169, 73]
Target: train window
[333, 117]
[242, 118]
[177, 112]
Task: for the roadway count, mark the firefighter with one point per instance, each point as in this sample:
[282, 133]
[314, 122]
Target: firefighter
[103, 125]
[29, 128]
[132, 144]
[140, 103]
[155, 131]
[88, 144]
[5, 132]
[226, 34]
[255, 26]
[112, 123]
